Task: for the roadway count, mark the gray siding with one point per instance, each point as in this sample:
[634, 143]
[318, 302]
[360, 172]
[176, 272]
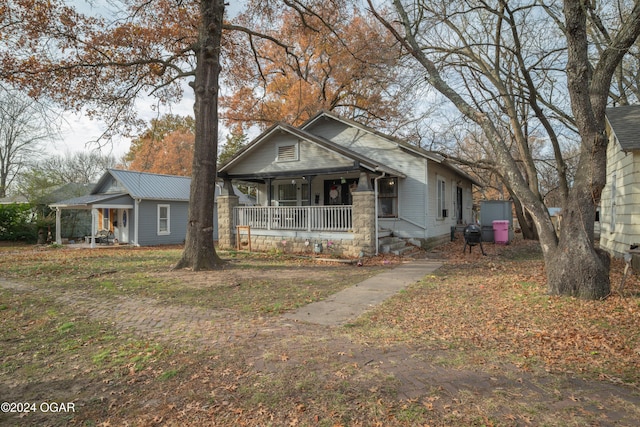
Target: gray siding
[311, 156]
[412, 218]
[148, 223]
[109, 185]
[124, 200]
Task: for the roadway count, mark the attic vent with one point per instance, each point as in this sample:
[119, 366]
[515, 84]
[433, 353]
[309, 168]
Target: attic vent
[287, 153]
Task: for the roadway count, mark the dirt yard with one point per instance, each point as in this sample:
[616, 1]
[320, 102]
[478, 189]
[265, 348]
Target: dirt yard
[115, 337]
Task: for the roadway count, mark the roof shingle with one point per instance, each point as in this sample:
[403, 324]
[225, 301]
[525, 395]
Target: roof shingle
[625, 122]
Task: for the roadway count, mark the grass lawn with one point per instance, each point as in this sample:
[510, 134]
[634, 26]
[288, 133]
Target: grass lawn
[114, 337]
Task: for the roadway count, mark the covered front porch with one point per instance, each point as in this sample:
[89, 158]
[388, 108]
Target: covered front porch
[110, 219]
[344, 229]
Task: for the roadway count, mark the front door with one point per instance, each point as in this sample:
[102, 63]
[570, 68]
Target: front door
[338, 191]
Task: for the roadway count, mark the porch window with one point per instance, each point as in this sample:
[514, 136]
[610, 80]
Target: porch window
[290, 194]
[164, 219]
[388, 197]
[287, 152]
[441, 199]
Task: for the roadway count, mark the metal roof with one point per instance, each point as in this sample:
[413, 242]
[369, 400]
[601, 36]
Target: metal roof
[144, 185]
[84, 201]
[625, 123]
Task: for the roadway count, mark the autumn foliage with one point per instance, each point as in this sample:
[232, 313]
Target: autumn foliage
[166, 147]
[99, 64]
[337, 60]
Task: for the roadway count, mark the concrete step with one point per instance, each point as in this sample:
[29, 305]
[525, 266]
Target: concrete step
[391, 244]
[405, 250]
[384, 233]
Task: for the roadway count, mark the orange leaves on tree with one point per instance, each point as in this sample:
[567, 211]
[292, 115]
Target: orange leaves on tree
[166, 147]
[336, 60]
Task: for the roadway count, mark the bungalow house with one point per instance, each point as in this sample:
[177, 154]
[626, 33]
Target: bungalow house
[138, 208]
[336, 184]
[620, 200]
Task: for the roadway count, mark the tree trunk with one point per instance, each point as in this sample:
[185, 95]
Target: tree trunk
[527, 227]
[199, 252]
[575, 267]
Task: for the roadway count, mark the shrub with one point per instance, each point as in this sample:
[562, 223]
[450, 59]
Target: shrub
[16, 223]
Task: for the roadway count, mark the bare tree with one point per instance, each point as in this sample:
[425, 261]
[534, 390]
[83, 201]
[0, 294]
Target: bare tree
[24, 127]
[484, 57]
[79, 168]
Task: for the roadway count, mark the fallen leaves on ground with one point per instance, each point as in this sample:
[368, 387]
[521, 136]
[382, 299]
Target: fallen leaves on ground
[497, 306]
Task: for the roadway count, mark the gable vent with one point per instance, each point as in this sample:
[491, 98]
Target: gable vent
[287, 153]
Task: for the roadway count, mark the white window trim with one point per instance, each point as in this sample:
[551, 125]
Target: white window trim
[296, 148]
[168, 230]
[106, 219]
[395, 199]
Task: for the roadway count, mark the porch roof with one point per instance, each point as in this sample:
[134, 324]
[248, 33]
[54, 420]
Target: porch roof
[359, 161]
[87, 201]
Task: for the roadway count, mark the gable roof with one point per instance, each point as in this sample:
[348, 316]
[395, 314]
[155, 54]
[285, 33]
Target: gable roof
[400, 143]
[625, 123]
[323, 142]
[144, 185]
[369, 163]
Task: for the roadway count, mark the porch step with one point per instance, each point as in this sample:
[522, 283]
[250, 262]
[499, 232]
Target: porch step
[406, 251]
[394, 245]
[398, 246]
[382, 233]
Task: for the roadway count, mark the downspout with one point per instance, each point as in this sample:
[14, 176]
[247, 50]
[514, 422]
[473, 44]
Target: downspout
[135, 221]
[375, 195]
[426, 198]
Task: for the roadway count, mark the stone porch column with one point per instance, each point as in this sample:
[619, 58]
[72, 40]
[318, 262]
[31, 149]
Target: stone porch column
[364, 223]
[226, 228]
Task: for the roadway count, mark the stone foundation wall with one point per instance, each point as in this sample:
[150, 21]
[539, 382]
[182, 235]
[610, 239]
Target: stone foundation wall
[297, 244]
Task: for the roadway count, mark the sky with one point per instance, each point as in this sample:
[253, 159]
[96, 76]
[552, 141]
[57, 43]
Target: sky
[77, 131]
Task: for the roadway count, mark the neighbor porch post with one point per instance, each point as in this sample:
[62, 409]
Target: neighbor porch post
[364, 218]
[226, 201]
[94, 227]
[58, 226]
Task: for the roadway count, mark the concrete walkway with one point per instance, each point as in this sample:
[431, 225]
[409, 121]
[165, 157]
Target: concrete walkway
[346, 305]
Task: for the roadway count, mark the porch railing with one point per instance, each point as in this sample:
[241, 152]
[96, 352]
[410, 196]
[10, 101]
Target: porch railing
[309, 218]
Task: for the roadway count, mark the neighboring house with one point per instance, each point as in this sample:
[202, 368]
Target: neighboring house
[620, 200]
[138, 208]
[343, 185]
[75, 223]
[14, 200]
